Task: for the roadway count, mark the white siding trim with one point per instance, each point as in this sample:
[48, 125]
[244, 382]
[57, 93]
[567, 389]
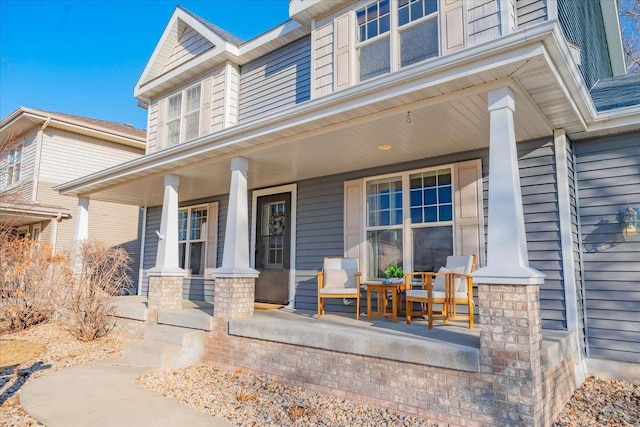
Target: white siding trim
[564, 214]
[226, 96]
[505, 17]
[38, 155]
[293, 189]
[312, 61]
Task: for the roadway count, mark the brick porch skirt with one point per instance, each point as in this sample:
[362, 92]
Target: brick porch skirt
[440, 395]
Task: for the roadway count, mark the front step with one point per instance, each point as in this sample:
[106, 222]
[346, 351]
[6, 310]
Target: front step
[166, 347]
[199, 319]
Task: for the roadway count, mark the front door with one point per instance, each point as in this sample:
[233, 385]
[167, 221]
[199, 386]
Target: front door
[273, 246]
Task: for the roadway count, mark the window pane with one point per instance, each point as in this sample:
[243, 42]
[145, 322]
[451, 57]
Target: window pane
[430, 6]
[445, 213]
[431, 214]
[182, 224]
[416, 10]
[191, 126]
[193, 99]
[431, 246]
[403, 16]
[416, 215]
[444, 194]
[372, 29]
[374, 59]
[384, 202]
[444, 177]
[385, 249]
[384, 24]
[173, 110]
[173, 132]
[196, 258]
[419, 42]
[198, 220]
[416, 198]
[430, 196]
[361, 17]
[372, 12]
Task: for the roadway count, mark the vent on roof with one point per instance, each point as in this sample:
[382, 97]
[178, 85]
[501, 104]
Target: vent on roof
[129, 125]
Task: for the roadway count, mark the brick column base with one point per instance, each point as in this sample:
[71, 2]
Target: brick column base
[234, 297]
[511, 352]
[165, 293]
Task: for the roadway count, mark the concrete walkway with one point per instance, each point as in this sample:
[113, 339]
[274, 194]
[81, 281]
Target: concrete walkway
[105, 395]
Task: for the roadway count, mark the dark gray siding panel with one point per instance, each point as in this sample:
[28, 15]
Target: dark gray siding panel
[608, 171]
[150, 244]
[542, 225]
[582, 24]
[277, 80]
[531, 12]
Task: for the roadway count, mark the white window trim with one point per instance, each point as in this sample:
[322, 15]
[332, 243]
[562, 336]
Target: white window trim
[406, 226]
[202, 232]
[293, 189]
[183, 101]
[24, 230]
[393, 34]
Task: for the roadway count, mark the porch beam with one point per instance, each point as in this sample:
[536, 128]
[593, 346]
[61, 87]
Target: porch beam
[507, 256]
[167, 253]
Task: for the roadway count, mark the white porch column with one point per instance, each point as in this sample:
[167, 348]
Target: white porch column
[235, 259]
[165, 279]
[507, 256]
[81, 233]
[235, 281]
[167, 253]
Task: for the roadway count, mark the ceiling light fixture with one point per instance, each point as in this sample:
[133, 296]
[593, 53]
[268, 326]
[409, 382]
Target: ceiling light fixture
[384, 147]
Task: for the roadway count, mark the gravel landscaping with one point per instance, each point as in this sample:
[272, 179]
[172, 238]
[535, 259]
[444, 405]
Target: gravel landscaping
[250, 400]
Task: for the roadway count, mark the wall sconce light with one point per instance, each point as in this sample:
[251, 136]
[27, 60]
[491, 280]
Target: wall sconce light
[630, 222]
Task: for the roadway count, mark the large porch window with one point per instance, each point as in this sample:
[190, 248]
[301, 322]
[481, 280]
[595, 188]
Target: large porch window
[414, 21]
[192, 241]
[415, 207]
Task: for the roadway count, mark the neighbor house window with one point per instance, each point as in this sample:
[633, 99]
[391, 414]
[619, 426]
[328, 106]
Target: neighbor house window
[14, 162]
[192, 229]
[183, 116]
[417, 205]
[416, 24]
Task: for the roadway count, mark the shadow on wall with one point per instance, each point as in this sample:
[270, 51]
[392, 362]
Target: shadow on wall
[604, 236]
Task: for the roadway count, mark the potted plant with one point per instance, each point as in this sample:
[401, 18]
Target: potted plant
[393, 274]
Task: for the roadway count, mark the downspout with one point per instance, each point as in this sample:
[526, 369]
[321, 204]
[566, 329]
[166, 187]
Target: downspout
[36, 171]
[54, 232]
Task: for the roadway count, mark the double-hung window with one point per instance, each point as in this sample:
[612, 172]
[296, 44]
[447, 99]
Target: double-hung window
[379, 51]
[14, 162]
[183, 116]
[414, 209]
[192, 240]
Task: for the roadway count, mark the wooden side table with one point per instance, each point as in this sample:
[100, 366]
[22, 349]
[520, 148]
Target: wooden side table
[382, 290]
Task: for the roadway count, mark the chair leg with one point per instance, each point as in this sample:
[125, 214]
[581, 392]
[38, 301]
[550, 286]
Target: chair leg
[430, 315]
[470, 314]
[320, 307]
[408, 311]
[358, 307]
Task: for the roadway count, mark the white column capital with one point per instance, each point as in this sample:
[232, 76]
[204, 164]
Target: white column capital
[501, 98]
[172, 180]
[240, 164]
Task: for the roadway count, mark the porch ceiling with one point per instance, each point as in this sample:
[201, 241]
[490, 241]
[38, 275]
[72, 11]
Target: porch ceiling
[447, 101]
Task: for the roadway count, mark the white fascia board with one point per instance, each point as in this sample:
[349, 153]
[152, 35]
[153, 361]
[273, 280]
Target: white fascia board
[268, 37]
[614, 36]
[440, 70]
[140, 90]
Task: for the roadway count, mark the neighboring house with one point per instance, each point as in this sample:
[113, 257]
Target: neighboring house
[45, 149]
[397, 132]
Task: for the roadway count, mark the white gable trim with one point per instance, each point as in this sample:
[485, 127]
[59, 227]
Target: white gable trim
[180, 15]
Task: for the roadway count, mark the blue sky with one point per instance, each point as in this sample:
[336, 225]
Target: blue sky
[84, 57]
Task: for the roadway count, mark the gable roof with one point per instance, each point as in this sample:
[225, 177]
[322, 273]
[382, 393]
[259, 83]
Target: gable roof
[120, 133]
[617, 92]
[185, 37]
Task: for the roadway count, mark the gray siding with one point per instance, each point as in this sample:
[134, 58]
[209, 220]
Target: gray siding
[531, 12]
[320, 223]
[193, 289]
[278, 80]
[582, 24]
[608, 172]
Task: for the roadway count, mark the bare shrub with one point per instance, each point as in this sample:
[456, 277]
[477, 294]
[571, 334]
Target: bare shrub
[102, 275]
[30, 278]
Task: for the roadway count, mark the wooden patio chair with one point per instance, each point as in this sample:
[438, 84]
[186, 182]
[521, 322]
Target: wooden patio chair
[339, 278]
[450, 286]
